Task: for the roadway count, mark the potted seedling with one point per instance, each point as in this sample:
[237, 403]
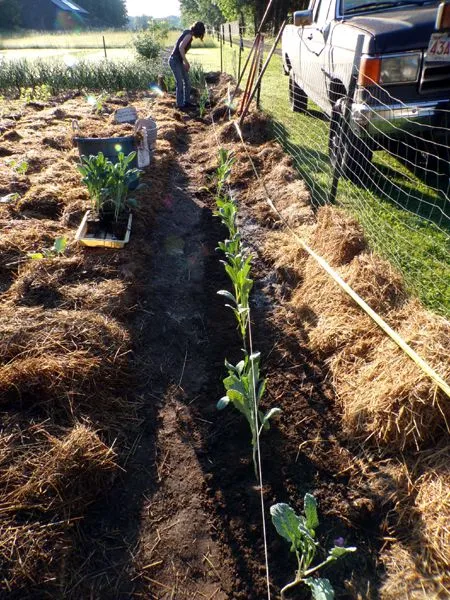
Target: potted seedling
[108, 222]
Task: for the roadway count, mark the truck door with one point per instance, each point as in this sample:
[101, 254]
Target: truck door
[314, 53]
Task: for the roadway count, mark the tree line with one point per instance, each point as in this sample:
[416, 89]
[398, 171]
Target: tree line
[248, 12]
[102, 13]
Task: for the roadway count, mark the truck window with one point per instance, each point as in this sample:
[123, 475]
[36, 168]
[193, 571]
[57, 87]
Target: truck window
[321, 9]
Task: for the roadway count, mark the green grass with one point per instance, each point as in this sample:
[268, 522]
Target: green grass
[75, 39]
[398, 212]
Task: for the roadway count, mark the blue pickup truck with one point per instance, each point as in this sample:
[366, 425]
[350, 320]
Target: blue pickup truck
[382, 65]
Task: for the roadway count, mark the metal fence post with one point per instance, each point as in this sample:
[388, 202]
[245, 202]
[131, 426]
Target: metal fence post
[347, 115]
[221, 48]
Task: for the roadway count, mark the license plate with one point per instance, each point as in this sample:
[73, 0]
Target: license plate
[439, 48]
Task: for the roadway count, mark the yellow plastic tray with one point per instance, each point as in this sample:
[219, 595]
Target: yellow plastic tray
[107, 241]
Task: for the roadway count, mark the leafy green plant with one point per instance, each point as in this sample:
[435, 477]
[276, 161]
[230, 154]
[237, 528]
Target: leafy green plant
[121, 175]
[202, 103]
[147, 45]
[97, 102]
[58, 249]
[244, 390]
[108, 183]
[95, 170]
[237, 267]
[226, 160]
[300, 532]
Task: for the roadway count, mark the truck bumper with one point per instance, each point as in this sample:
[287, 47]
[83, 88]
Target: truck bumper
[397, 119]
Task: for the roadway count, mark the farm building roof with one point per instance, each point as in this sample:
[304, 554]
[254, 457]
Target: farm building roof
[69, 5]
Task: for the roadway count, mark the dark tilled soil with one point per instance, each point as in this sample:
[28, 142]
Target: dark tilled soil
[188, 507]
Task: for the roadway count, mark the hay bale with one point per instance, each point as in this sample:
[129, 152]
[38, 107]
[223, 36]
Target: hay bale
[387, 397]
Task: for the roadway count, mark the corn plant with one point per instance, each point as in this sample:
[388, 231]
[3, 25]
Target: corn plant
[244, 389]
[300, 532]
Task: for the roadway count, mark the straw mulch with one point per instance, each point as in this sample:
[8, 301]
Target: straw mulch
[405, 579]
[53, 477]
[397, 406]
[57, 359]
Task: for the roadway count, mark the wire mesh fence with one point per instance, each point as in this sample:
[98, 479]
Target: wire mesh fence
[391, 158]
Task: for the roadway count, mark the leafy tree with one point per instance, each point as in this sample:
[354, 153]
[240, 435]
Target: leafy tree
[201, 10]
[106, 13]
[10, 14]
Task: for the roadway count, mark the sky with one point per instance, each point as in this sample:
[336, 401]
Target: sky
[153, 8]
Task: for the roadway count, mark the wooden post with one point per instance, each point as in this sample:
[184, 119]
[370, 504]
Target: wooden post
[260, 66]
[104, 46]
[263, 70]
[229, 35]
[255, 42]
[241, 50]
[221, 48]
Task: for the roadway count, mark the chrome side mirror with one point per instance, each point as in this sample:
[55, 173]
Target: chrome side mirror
[303, 17]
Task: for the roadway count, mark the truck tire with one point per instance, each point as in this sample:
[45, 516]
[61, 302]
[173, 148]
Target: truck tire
[298, 100]
[348, 153]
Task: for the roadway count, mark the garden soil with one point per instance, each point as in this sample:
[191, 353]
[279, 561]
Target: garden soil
[120, 479]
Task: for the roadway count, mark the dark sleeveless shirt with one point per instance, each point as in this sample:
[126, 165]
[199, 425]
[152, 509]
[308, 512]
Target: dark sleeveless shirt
[176, 49]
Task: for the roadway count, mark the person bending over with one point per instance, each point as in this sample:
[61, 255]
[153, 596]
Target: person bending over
[180, 65]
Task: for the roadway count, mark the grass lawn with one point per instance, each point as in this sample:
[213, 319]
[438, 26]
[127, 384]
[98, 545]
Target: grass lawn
[399, 213]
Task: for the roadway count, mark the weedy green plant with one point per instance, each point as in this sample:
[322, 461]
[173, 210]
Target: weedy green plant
[38, 93]
[300, 532]
[244, 390]
[58, 249]
[97, 102]
[19, 166]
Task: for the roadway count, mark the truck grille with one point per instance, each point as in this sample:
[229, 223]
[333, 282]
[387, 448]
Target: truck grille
[435, 78]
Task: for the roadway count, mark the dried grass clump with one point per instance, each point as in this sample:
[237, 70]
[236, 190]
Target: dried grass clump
[387, 397]
[31, 555]
[407, 578]
[432, 506]
[337, 237]
[255, 130]
[42, 201]
[69, 357]
[47, 473]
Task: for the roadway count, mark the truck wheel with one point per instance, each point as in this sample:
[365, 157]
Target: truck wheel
[349, 153]
[297, 97]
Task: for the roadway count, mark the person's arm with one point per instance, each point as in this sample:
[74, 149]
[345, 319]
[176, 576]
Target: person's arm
[182, 49]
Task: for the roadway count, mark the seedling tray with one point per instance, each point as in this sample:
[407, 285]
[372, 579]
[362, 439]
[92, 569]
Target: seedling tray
[101, 238]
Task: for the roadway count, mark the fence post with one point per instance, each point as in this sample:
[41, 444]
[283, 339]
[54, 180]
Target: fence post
[241, 50]
[347, 114]
[221, 48]
[260, 66]
[229, 35]
[104, 46]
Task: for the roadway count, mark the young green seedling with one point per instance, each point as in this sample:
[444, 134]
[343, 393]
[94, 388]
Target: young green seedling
[244, 389]
[58, 249]
[202, 102]
[226, 161]
[300, 532]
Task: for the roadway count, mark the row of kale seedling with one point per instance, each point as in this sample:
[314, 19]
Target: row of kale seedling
[244, 390]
